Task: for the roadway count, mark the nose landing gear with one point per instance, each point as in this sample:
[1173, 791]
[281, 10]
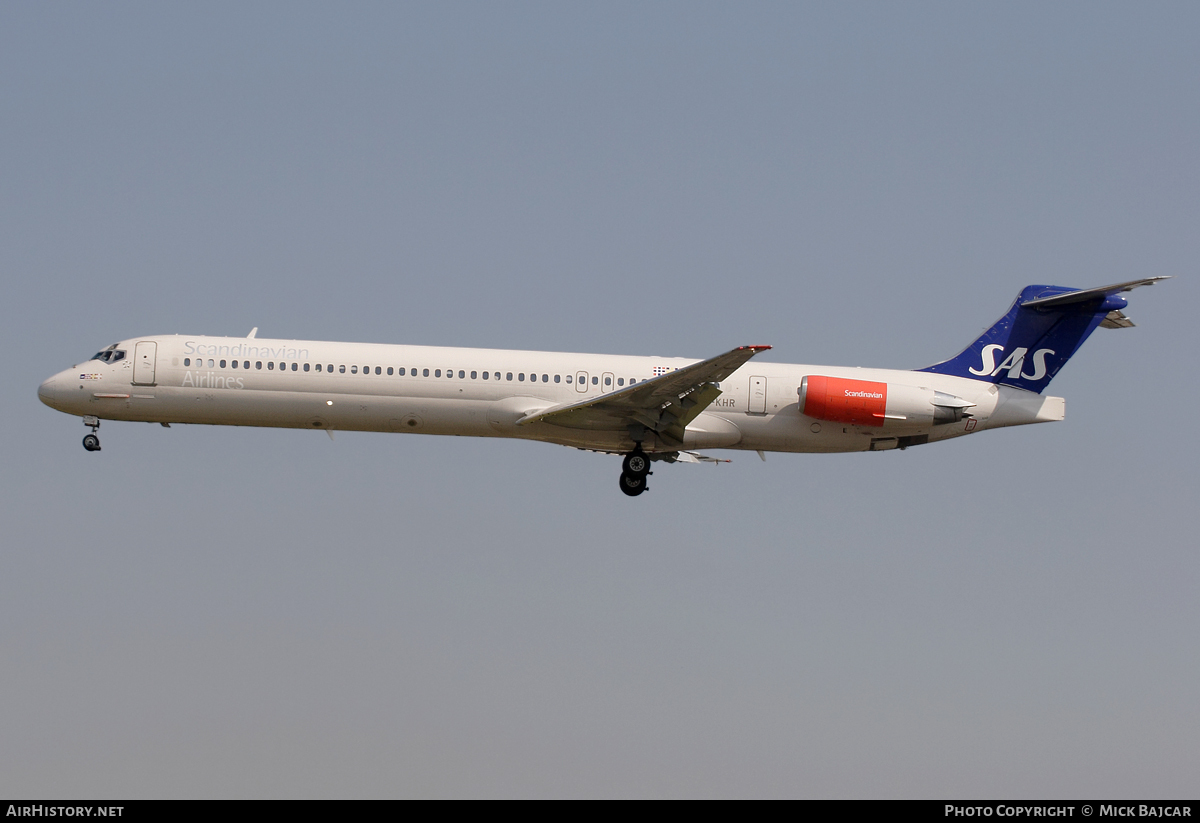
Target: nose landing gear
[635, 467]
[91, 442]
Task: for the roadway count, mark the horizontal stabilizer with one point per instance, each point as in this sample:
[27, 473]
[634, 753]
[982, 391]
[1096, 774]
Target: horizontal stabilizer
[1084, 295]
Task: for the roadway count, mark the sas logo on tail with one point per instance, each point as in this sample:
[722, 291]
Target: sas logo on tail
[1013, 363]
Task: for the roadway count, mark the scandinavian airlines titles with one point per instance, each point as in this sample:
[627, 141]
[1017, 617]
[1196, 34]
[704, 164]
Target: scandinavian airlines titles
[211, 380]
[245, 350]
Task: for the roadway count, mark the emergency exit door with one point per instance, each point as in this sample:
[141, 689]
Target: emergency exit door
[758, 395]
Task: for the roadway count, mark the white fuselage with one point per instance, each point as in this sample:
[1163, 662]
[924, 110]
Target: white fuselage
[429, 390]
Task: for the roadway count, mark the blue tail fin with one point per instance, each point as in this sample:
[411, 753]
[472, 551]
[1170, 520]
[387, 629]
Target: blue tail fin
[1044, 327]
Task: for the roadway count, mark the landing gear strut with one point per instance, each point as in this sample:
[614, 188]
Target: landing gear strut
[91, 442]
[635, 467]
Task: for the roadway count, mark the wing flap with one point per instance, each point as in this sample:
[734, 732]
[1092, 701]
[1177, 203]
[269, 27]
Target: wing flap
[696, 457]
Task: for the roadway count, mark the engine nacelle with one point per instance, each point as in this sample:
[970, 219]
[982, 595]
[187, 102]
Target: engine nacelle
[867, 403]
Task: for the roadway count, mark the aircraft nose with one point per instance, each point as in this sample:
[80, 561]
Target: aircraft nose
[46, 390]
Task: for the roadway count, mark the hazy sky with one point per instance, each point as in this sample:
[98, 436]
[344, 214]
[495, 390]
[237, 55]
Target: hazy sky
[201, 611]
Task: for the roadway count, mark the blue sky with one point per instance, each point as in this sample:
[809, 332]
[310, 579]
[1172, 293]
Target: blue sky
[225, 612]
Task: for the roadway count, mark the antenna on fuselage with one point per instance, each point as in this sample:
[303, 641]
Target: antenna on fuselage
[253, 332]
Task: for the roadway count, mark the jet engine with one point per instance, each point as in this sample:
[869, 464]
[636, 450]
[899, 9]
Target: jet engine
[867, 403]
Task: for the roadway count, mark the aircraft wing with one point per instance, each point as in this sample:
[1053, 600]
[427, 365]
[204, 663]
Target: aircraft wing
[664, 404]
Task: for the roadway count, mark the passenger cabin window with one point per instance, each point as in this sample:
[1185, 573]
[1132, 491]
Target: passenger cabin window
[258, 364]
[568, 378]
[270, 365]
[380, 371]
[306, 367]
[187, 361]
[222, 364]
[473, 375]
[293, 367]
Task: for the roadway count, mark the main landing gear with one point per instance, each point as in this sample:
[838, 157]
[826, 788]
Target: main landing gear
[91, 442]
[635, 467]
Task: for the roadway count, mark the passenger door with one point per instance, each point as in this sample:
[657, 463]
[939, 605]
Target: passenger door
[143, 363]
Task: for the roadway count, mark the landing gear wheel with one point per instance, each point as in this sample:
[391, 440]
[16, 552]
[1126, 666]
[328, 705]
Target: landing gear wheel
[636, 463]
[91, 442]
[633, 484]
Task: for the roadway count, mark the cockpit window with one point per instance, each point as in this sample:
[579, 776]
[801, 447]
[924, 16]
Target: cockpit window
[109, 355]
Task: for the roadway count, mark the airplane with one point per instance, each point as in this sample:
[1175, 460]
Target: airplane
[647, 409]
